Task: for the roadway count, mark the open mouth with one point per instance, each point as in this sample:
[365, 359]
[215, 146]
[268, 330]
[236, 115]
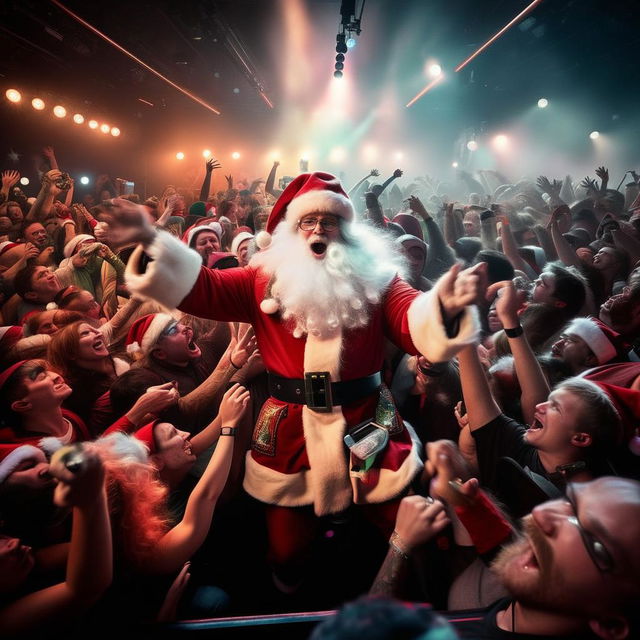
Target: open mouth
[535, 425]
[187, 448]
[318, 248]
[98, 344]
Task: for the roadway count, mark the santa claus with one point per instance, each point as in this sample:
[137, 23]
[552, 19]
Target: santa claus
[322, 294]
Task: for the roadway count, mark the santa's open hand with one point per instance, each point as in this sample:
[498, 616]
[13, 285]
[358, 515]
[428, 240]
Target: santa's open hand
[126, 222]
[461, 288]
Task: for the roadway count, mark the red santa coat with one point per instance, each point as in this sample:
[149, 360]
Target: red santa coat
[298, 456]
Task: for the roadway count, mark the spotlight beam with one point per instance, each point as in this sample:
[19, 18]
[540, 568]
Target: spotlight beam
[107, 39]
[493, 38]
[430, 86]
[476, 53]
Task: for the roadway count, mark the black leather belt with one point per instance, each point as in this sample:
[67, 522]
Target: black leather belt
[318, 392]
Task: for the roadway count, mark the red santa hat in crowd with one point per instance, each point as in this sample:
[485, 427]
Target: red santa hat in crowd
[9, 336]
[72, 245]
[145, 333]
[191, 234]
[410, 224]
[239, 239]
[145, 435]
[627, 404]
[316, 192]
[7, 373]
[7, 245]
[11, 456]
[605, 343]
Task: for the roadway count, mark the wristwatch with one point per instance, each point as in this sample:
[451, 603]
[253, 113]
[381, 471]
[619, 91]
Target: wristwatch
[515, 332]
[228, 431]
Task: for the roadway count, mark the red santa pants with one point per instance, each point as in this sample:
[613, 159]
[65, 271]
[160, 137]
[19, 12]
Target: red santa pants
[292, 530]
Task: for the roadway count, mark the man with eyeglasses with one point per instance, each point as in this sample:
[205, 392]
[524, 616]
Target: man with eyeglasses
[572, 569]
[321, 294]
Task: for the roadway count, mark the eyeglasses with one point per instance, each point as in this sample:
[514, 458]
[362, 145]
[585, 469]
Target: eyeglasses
[598, 552]
[327, 224]
[171, 330]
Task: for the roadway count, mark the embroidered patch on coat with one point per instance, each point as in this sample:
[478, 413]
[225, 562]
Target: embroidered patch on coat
[265, 431]
[386, 413]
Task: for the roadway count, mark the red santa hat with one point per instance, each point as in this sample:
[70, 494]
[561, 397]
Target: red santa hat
[216, 227]
[72, 245]
[145, 435]
[410, 224]
[605, 343]
[239, 239]
[12, 455]
[627, 404]
[8, 337]
[316, 192]
[145, 332]
[6, 245]
[7, 373]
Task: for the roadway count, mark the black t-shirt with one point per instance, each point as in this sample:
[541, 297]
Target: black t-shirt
[481, 625]
[503, 437]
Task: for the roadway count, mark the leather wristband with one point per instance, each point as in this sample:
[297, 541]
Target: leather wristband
[515, 332]
[228, 431]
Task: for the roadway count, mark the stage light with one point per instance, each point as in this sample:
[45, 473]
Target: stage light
[93, 124]
[235, 155]
[206, 153]
[179, 155]
[24, 181]
[351, 42]
[115, 132]
[84, 180]
[78, 118]
[105, 128]
[398, 155]
[59, 111]
[454, 165]
[341, 46]
[434, 70]
[13, 95]
[594, 135]
[501, 141]
[543, 103]
[274, 155]
[472, 145]
[38, 104]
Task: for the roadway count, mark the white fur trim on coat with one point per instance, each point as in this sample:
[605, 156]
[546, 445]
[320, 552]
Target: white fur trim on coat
[319, 202]
[324, 433]
[172, 274]
[428, 332]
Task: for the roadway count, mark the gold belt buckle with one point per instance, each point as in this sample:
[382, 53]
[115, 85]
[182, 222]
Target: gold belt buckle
[317, 391]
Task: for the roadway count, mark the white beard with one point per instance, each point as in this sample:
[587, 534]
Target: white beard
[320, 296]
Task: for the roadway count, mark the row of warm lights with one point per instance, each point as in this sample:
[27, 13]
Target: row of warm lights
[13, 95]
[24, 181]
[180, 155]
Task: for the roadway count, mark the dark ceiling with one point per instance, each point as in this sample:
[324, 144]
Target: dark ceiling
[586, 49]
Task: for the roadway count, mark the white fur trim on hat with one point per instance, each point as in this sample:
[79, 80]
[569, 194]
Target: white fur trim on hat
[13, 460]
[216, 227]
[160, 322]
[171, 275]
[318, 201]
[239, 239]
[263, 240]
[71, 246]
[50, 445]
[595, 338]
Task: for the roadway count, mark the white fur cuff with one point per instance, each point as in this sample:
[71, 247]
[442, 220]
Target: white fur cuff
[172, 274]
[427, 328]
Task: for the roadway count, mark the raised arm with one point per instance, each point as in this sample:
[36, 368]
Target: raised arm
[394, 176]
[9, 178]
[566, 252]
[210, 165]
[269, 187]
[183, 540]
[533, 384]
[90, 560]
[374, 210]
[50, 154]
[49, 190]
[510, 247]
[373, 172]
